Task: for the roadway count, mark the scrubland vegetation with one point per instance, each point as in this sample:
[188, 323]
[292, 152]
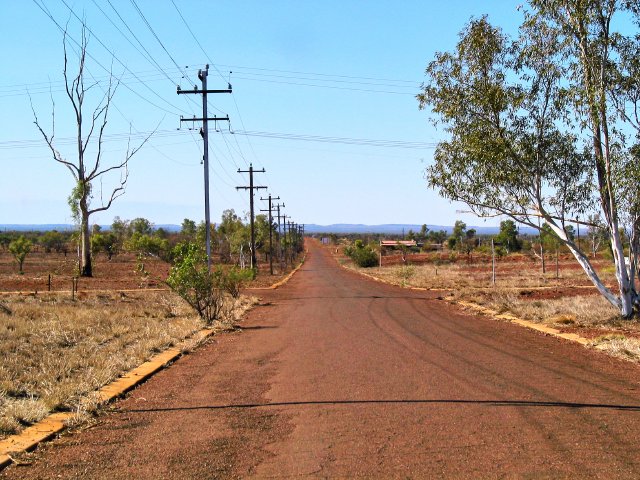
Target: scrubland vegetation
[151, 290]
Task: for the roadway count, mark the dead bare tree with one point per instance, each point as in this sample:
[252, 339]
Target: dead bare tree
[87, 169]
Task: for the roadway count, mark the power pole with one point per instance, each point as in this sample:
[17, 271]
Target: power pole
[292, 241]
[284, 235]
[251, 188]
[270, 231]
[204, 131]
[277, 207]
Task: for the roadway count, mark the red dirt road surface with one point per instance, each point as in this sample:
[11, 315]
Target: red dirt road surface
[337, 376]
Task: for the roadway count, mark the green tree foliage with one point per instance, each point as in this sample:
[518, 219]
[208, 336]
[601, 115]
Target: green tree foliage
[461, 239]
[262, 227]
[233, 237]
[147, 245]
[120, 228]
[53, 241]
[141, 226]
[508, 236]
[20, 248]
[204, 290]
[421, 236]
[437, 236]
[550, 240]
[234, 278]
[188, 229]
[104, 243]
[190, 278]
[537, 124]
[5, 240]
[363, 255]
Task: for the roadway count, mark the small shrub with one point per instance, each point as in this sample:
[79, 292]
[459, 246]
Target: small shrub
[191, 279]
[235, 278]
[20, 248]
[363, 255]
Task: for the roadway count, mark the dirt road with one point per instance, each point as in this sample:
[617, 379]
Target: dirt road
[336, 376]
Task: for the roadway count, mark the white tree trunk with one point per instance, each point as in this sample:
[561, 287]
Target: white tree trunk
[623, 302]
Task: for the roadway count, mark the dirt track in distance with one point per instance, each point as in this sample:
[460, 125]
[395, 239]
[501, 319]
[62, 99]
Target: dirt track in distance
[339, 376]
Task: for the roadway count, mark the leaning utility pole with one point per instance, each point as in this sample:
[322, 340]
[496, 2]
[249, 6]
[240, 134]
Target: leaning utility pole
[204, 131]
[270, 230]
[251, 188]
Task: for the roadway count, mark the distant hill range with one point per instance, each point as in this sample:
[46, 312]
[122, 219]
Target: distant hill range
[399, 229]
[65, 227]
[338, 228]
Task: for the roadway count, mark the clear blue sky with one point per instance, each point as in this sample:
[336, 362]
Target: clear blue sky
[347, 69]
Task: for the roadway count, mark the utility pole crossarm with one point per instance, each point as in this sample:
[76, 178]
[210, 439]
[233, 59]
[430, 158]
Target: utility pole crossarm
[195, 90]
[210, 119]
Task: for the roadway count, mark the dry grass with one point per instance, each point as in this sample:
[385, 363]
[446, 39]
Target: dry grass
[515, 275]
[619, 346]
[56, 351]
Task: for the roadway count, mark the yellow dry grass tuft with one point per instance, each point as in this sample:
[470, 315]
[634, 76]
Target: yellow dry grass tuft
[619, 346]
[56, 351]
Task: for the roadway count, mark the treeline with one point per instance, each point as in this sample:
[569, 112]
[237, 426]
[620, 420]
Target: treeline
[230, 240]
[364, 248]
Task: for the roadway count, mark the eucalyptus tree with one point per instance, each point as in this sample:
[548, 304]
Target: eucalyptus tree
[19, 249]
[535, 126]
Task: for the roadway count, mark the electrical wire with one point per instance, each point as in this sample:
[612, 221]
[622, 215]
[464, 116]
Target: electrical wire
[333, 87]
[196, 39]
[338, 140]
[133, 2]
[48, 14]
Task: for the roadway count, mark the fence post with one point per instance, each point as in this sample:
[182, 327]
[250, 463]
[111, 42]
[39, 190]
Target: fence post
[493, 263]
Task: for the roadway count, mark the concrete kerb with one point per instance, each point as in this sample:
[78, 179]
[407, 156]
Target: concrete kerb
[55, 423]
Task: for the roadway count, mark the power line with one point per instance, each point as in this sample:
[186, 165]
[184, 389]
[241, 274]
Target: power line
[333, 87]
[12, 144]
[48, 14]
[133, 2]
[150, 58]
[322, 74]
[146, 53]
[339, 140]
[195, 39]
[411, 85]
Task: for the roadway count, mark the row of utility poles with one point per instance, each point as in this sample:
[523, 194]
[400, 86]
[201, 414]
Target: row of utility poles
[288, 236]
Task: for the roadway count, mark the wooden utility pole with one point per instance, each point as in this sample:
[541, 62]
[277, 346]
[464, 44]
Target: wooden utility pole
[277, 206]
[204, 131]
[284, 236]
[493, 263]
[270, 230]
[251, 188]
